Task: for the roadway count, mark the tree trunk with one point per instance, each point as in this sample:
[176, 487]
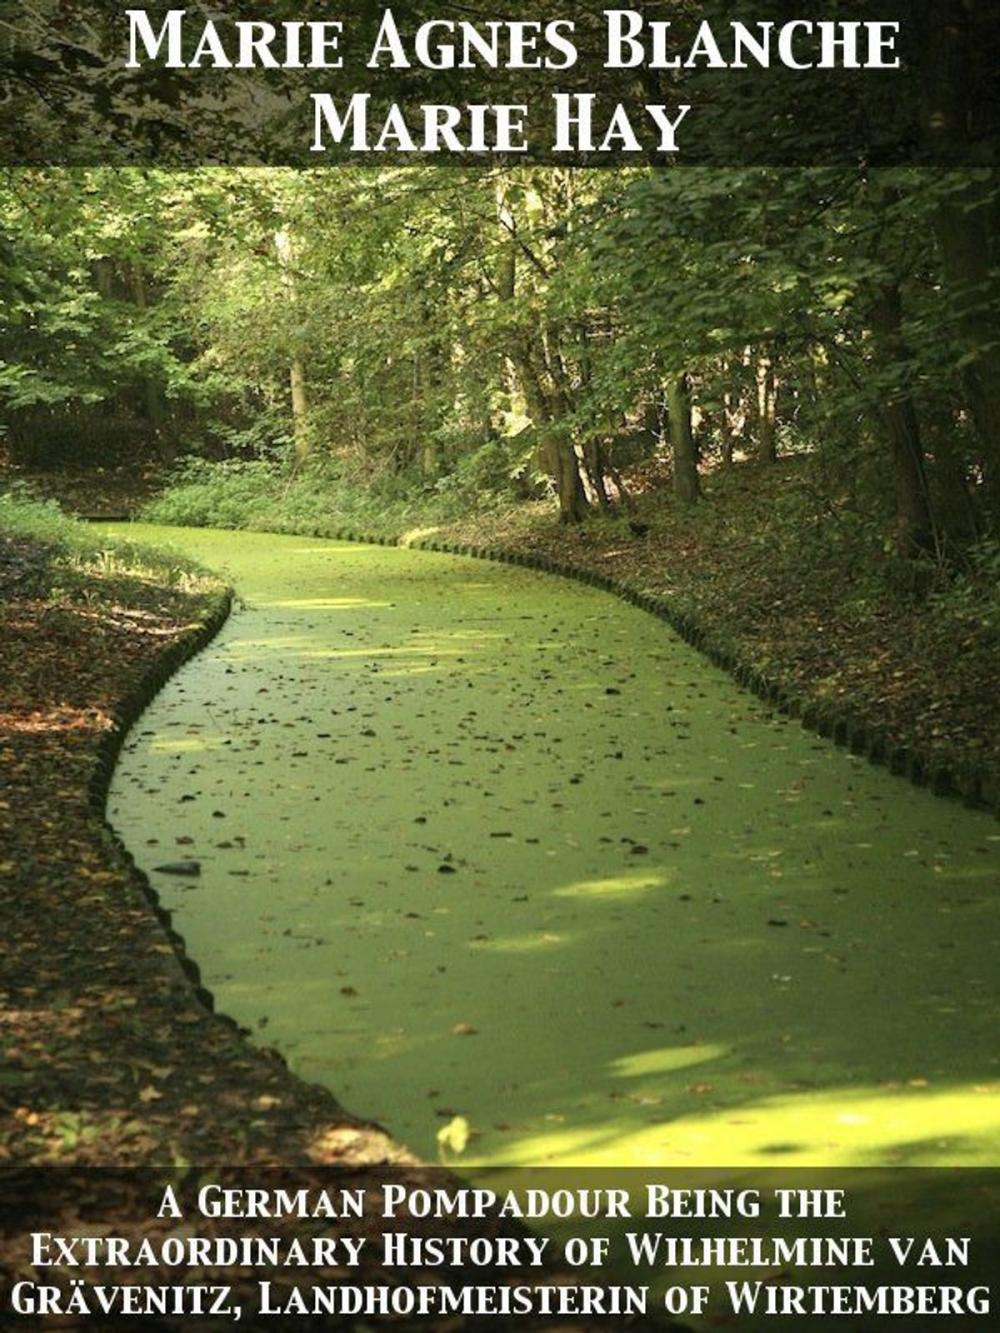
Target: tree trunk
[594, 467]
[957, 510]
[556, 453]
[729, 427]
[558, 458]
[686, 485]
[766, 399]
[296, 370]
[961, 228]
[957, 55]
[165, 446]
[915, 525]
[573, 504]
[300, 410]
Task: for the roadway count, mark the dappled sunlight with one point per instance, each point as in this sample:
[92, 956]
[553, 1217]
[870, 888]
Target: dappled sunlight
[325, 603]
[621, 886]
[406, 671]
[541, 943]
[56, 720]
[387, 1045]
[186, 744]
[322, 546]
[664, 1060]
[376, 654]
[416, 534]
[982, 874]
[243, 649]
[835, 1127]
[473, 636]
[306, 647]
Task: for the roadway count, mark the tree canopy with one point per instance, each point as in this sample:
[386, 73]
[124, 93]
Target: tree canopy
[519, 328]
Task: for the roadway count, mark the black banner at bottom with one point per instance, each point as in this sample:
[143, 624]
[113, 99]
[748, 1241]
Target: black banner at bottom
[351, 1248]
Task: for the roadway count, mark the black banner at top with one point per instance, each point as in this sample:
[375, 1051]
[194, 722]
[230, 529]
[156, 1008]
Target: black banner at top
[310, 83]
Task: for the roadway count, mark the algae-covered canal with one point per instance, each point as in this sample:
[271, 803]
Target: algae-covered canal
[477, 841]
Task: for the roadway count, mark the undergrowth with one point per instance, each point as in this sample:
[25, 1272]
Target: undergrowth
[83, 552]
[266, 496]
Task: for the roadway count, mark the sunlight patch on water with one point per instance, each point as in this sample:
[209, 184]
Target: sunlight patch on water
[842, 1127]
[522, 943]
[618, 887]
[324, 603]
[664, 1060]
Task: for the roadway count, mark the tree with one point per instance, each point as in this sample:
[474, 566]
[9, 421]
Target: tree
[686, 486]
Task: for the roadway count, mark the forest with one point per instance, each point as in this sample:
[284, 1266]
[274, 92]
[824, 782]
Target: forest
[474, 337]
[674, 355]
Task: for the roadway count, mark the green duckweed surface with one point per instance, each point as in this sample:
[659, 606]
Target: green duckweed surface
[479, 842]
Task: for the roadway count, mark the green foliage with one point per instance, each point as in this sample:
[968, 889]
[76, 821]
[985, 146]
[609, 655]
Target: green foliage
[482, 479]
[87, 310]
[264, 434]
[453, 336]
[266, 496]
[23, 516]
[221, 495]
[971, 600]
[82, 548]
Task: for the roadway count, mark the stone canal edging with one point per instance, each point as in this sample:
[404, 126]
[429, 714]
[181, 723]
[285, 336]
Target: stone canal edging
[124, 716]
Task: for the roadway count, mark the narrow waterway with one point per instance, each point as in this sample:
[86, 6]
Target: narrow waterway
[478, 842]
